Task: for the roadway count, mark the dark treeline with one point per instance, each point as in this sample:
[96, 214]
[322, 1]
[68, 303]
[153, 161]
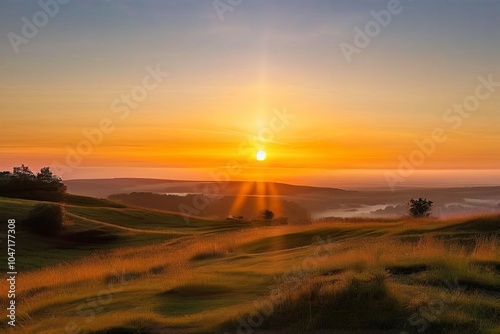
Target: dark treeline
[23, 183]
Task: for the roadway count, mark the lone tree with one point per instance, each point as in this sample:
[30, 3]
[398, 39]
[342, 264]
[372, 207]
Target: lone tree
[267, 214]
[420, 208]
[45, 219]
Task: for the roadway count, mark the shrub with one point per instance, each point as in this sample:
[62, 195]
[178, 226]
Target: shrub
[420, 208]
[267, 214]
[45, 219]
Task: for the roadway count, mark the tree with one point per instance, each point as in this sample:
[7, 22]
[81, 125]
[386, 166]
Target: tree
[22, 179]
[48, 181]
[420, 208]
[45, 175]
[4, 178]
[45, 219]
[23, 183]
[267, 214]
[24, 173]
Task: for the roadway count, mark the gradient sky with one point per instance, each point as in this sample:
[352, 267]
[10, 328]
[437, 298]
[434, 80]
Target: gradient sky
[226, 78]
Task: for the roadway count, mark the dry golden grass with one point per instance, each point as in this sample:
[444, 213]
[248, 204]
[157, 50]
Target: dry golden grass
[221, 260]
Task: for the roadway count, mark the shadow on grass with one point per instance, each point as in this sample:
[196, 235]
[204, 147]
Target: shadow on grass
[137, 326]
[197, 290]
[406, 269]
[91, 237]
[359, 304]
[207, 256]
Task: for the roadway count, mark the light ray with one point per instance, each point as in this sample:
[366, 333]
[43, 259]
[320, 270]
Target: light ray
[240, 198]
[275, 200]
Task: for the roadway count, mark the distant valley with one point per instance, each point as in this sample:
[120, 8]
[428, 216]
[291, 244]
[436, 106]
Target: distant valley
[246, 198]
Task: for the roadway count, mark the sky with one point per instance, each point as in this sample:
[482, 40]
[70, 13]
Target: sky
[189, 89]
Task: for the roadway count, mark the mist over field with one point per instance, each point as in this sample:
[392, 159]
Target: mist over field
[309, 202]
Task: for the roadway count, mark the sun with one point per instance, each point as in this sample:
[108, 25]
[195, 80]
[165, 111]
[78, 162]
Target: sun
[261, 155]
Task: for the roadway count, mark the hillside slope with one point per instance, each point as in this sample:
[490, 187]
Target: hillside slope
[336, 276]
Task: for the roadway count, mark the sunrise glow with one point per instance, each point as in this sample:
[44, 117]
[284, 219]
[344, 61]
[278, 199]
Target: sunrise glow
[261, 155]
[181, 105]
[259, 166]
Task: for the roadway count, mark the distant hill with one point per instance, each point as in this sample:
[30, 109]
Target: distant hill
[217, 208]
[106, 187]
[319, 201]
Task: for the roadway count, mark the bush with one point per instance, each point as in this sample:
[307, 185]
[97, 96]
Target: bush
[420, 208]
[267, 214]
[45, 219]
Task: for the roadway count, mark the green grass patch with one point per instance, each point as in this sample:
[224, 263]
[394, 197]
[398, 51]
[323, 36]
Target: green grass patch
[91, 201]
[306, 238]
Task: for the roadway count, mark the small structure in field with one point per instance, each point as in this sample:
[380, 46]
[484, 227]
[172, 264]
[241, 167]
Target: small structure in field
[240, 219]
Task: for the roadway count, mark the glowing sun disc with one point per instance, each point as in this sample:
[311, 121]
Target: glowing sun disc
[261, 155]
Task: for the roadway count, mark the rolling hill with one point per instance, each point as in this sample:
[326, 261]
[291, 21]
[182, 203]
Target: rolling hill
[318, 201]
[120, 269]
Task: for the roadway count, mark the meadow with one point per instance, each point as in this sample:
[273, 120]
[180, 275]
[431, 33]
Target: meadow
[118, 269]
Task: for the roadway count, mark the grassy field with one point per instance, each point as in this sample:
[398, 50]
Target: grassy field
[127, 270]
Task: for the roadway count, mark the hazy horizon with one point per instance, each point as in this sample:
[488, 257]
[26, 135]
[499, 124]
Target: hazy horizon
[344, 179]
[184, 86]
